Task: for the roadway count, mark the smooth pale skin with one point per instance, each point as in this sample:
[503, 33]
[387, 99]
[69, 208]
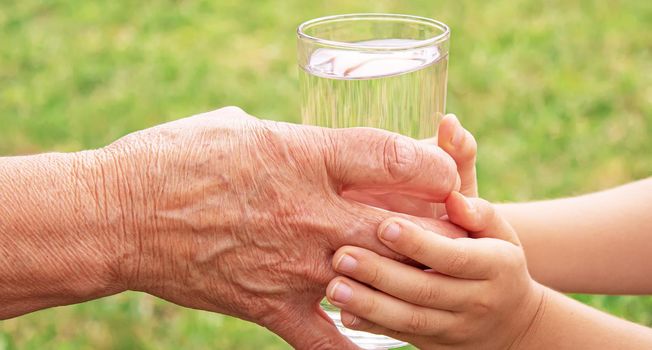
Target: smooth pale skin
[221, 212]
[480, 293]
[595, 243]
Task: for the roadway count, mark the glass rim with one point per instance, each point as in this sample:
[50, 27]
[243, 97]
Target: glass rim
[301, 34]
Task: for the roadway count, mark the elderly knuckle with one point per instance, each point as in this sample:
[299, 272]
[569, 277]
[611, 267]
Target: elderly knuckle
[401, 157]
[232, 113]
[232, 110]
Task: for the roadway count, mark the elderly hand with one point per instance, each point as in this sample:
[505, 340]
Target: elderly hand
[460, 144]
[228, 213]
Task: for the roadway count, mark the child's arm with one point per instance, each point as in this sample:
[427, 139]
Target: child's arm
[596, 243]
[479, 294]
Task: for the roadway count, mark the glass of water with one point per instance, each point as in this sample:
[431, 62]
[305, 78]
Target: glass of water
[375, 70]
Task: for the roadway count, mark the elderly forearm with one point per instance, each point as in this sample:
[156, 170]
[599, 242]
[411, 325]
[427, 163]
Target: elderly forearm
[56, 246]
[596, 243]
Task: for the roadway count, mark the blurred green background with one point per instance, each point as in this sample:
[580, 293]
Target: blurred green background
[558, 94]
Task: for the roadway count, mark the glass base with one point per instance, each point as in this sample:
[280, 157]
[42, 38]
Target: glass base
[364, 340]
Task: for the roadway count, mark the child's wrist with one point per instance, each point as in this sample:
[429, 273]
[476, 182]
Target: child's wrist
[529, 336]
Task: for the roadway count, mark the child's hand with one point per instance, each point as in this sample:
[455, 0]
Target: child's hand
[478, 295]
[460, 144]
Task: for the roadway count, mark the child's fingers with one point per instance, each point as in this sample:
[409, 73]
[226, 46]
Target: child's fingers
[462, 257]
[460, 144]
[387, 311]
[357, 323]
[479, 217]
[405, 282]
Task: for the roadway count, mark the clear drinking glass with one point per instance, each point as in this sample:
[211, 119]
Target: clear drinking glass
[376, 70]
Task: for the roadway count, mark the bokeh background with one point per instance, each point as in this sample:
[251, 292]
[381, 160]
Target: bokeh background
[558, 94]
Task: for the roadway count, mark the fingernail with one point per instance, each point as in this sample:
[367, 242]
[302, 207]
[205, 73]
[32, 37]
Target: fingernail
[341, 293]
[347, 263]
[391, 232]
[456, 140]
[348, 319]
[467, 203]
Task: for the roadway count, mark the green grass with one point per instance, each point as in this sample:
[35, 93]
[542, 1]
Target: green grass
[558, 93]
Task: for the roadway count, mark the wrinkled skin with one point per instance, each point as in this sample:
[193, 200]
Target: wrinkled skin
[231, 214]
[457, 142]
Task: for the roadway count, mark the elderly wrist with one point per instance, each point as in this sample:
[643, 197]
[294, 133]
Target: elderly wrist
[139, 201]
[110, 211]
[94, 217]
